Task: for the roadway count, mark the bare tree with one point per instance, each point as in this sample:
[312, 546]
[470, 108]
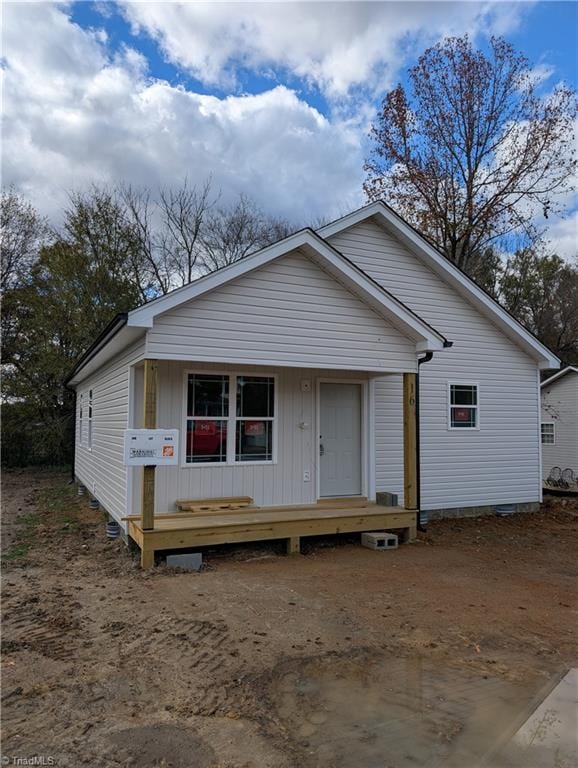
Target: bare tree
[22, 232]
[470, 151]
[233, 232]
[184, 213]
[152, 267]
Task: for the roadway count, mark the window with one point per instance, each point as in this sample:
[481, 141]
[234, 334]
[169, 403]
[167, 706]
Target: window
[463, 406]
[80, 418]
[207, 414]
[229, 419]
[548, 433]
[89, 440]
[254, 428]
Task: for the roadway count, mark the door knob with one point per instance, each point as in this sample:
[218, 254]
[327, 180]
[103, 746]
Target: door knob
[321, 449]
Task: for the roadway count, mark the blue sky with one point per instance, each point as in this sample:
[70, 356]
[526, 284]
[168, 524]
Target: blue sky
[271, 99]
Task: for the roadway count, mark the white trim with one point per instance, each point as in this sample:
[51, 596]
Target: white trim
[364, 416]
[454, 383]
[313, 246]
[80, 418]
[186, 358]
[548, 424]
[540, 462]
[450, 273]
[372, 459]
[559, 375]
[90, 420]
[231, 419]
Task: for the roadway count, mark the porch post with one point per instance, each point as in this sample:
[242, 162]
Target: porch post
[410, 440]
[149, 422]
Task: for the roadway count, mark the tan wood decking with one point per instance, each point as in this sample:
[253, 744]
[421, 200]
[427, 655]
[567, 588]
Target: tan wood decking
[197, 529]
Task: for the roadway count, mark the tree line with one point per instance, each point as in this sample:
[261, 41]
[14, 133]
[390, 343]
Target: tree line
[115, 249]
[467, 152]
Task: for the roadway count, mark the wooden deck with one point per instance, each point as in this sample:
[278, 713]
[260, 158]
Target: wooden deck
[183, 530]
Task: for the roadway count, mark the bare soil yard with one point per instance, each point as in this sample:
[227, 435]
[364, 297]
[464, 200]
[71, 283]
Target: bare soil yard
[341, 657]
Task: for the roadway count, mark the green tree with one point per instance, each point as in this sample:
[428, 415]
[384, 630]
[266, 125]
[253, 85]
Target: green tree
[72, 290]
[541, 291]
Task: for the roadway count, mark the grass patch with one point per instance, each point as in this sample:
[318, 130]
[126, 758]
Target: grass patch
[28, 523]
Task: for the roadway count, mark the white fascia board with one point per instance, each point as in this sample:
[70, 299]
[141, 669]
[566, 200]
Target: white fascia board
[123, 339]
[327, 257]
[450, 274]
[559, 375]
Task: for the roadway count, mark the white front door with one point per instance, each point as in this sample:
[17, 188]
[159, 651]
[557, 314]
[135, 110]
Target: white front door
[340, 439]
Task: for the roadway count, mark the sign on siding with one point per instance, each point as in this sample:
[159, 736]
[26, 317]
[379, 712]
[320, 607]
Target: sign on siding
[148, 447]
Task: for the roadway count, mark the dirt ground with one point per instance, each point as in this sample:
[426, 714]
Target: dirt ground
[341, 657]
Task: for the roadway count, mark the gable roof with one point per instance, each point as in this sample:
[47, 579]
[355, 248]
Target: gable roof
[330, 260]
[450, 273]
[559, 374]
[126, 327]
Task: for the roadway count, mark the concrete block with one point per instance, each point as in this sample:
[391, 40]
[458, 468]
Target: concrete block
[386, 499]
[379, 540]
[188, 561]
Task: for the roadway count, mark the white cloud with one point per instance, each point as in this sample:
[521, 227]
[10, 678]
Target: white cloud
[74, 116]
[333, 45]
[563, 237]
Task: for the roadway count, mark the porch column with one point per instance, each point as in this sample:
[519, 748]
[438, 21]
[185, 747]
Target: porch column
[410, 440]
[149, 422]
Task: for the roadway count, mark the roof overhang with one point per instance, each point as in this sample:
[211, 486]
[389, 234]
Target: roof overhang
[113, 339]
[450, 274]
[306, 241]
[558, 375]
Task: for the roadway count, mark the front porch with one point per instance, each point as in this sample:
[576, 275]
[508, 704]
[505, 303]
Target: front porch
[315, 473]
[229, 526]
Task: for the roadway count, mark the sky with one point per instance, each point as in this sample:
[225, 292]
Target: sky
[271, 99]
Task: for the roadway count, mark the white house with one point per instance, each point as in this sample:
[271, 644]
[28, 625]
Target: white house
[284, 374]
[560, 422]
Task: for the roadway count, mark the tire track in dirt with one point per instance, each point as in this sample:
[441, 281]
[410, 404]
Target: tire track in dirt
[50, 631]
[198, 654]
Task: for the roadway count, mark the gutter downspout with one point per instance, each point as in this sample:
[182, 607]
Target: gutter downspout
[421, 360]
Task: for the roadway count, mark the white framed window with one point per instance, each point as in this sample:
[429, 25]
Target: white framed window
[463, 405]
[89, 436]
[80, 417]
[548, 432]
[229, 418]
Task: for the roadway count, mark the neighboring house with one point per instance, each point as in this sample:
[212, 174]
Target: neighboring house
[284, 374]
[560, 422]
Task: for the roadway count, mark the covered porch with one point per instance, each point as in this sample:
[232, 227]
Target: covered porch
[321, 428]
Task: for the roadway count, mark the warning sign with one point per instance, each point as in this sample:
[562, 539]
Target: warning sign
[151, 447]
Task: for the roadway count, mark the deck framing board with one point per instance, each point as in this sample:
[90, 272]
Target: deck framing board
[179, 533]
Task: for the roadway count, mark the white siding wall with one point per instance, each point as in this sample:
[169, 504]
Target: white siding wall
[102, 469]
[280, 483]
[560, 405]
[288, 313]
[500, 462]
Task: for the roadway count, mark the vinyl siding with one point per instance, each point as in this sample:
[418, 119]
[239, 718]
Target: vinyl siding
[560, 405]
[267, 484]
[499, 463]
[288, 313]
[102, 469]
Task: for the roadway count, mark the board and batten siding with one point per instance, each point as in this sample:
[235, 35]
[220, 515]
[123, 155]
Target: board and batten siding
[500, 462]
[101, 469]
[267, 484]
[289, 313]
[560, 405]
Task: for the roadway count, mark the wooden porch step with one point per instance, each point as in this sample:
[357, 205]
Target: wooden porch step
[208, 505]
